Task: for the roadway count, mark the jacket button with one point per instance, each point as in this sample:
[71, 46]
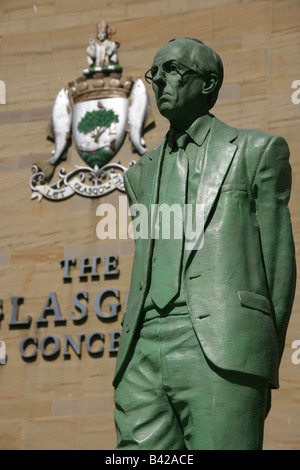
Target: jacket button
[127, 327]
[140, 285]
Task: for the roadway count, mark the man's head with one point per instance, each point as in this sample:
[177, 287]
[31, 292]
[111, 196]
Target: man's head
[186, 78]
[101, 30]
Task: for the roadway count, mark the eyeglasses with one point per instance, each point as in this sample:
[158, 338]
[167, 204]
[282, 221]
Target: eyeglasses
[172, 67]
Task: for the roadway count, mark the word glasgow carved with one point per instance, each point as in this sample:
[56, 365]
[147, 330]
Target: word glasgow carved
[51, 307]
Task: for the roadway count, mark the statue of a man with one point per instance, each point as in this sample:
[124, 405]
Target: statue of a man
[205, 327]
[103, 51]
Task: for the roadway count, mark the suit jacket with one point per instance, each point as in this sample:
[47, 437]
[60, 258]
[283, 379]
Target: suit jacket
[240, 285]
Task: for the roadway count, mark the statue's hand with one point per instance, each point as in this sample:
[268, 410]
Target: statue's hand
[92, 41]
[110, 49]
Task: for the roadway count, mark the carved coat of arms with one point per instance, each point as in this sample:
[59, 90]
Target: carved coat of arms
[95, 112]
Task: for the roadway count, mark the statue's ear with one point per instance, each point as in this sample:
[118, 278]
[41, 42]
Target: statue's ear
[210, 84]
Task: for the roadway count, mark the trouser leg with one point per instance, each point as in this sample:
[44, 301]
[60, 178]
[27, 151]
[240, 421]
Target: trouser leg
[144, 418]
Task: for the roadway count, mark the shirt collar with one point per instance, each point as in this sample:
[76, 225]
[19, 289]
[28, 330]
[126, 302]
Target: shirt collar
[197, 131]
[200, 128]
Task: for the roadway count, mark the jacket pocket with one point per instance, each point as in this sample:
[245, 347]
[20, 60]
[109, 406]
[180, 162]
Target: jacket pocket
[234, 187]
[254, 301]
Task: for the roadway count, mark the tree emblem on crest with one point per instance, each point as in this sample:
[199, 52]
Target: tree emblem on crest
[96, 122]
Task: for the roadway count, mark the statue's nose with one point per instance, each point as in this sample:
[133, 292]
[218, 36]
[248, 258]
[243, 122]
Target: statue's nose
[159, 76]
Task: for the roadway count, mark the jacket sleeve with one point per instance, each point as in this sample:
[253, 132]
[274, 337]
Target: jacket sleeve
[271, 186]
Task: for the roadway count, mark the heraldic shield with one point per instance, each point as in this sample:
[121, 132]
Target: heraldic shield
[94, 114]
[99, 128]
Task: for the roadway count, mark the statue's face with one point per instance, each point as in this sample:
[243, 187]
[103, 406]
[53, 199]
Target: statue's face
[177, 88]
[101, 34]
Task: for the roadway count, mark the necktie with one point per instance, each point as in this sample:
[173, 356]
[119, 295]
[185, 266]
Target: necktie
[168, 252]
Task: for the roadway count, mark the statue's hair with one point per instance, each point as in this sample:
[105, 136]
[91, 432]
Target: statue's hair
[206, 61]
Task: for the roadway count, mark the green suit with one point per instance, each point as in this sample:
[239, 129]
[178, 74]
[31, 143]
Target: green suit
[240, 285]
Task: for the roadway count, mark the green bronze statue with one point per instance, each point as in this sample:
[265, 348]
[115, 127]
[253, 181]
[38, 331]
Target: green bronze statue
[205, 327]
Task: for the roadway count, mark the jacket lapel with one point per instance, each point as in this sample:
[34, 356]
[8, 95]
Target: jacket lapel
[154, 169]
[217, 160]
[152, 177]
